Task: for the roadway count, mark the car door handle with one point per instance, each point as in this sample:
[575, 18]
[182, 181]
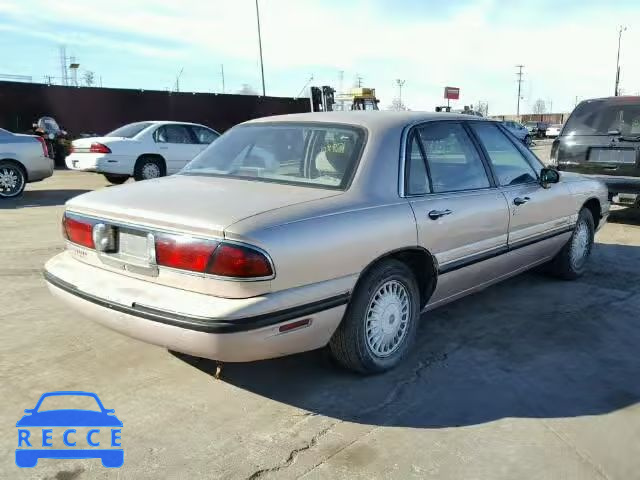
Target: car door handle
[164, 148]
[436, 214]
[520, 200]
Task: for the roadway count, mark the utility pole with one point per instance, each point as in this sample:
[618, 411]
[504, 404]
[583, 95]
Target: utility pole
[519, 74]
[616, 90]
[260, 48]
[222, 75]
[358, 81]
[63, 65]
[400, 84]
[178, 79]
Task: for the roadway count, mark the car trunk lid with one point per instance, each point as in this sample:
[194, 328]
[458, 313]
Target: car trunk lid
[202, 205]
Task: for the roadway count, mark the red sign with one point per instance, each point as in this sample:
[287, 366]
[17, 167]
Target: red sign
[451, 93]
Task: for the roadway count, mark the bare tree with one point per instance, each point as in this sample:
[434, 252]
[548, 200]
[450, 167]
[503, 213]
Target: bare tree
[247, 90]
[397, 105]
[89, 78]
[539, 107]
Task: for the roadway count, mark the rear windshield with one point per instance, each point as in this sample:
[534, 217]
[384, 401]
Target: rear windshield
[321, 155]
[607, 116]
[130, 130]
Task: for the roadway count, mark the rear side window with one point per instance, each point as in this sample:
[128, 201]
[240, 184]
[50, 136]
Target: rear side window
[418, 182]
[130, 130]
[454, 163]
[605, 117]
[508, 163]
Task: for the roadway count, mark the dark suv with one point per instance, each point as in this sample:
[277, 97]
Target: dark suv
[602, 138]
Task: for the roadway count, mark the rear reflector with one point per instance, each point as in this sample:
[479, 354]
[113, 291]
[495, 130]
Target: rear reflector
[239, 262]
[184, 253]
[78, 232]
[99, 148]
[294, 325]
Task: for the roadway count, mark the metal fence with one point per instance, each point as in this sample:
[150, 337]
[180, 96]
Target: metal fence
[99, 110]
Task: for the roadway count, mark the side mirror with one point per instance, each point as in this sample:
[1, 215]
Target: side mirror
[549, 176]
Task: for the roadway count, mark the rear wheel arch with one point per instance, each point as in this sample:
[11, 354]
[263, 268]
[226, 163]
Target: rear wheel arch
[422, 264]
[19, 164]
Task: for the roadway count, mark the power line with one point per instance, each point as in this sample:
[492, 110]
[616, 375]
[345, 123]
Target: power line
[519, 74]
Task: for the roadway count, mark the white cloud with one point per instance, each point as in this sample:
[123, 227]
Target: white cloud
[475, 47]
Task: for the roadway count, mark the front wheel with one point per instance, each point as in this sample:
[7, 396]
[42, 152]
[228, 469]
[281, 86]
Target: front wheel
[116, 179]
[380, 323]
[12, 179]
[570, 263]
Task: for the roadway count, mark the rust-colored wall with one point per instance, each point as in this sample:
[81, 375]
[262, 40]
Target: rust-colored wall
[100, 110]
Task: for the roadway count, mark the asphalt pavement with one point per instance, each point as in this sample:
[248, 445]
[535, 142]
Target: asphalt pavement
[534, 378]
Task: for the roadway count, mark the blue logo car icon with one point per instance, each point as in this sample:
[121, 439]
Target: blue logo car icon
[69, 418]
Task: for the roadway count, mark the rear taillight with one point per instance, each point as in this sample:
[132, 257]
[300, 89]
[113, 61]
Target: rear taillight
[203, 256]
[43, 144]
[78, 231]
[184, 253]
[237, 261]
[99, 148]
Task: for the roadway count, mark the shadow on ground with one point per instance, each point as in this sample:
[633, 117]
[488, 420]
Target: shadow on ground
[628, 216]
[40, 198]
[531, 347]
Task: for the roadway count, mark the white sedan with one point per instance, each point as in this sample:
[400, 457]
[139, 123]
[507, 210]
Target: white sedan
[553, 130]
[141, 150]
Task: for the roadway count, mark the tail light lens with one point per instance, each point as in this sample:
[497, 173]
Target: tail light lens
[99, 148]
[78, 231]
[221, 259]
[239, 262]
[184, 253]
[43, 144]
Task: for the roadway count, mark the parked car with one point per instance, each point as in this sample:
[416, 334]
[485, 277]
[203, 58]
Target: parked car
[536, 129]
[141, 150]
[553, 130]
[23, 159]
[520, 131]
[351, 226]
[601, 138]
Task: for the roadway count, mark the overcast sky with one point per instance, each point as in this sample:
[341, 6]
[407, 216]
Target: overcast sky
[568, 47]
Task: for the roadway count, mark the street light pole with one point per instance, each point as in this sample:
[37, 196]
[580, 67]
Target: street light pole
[620, 30]
[260, 47]
[400, 84]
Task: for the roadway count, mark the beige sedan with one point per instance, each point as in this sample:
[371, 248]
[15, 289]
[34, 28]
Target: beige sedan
[297, 232]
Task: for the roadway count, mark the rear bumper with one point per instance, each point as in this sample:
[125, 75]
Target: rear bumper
[619, 184]
[220, 336]
[39, 168]
[101, 163]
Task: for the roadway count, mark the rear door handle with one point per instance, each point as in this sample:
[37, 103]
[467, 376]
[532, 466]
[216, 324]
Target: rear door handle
[520, 200]
[164, 148]
[436, 214]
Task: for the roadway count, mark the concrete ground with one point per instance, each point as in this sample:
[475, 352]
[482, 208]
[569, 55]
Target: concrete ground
[531, 379]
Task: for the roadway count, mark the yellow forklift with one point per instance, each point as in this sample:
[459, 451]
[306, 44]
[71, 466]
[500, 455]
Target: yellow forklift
[324, 99]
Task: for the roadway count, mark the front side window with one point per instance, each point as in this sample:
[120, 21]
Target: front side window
[323, 155]
[173, 134]
[204, 135]
[454, 162]
[508, 163]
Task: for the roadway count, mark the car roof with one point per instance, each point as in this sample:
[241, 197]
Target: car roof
[165, 122]
[374, 120]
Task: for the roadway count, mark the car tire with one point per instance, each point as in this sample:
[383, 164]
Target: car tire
[116, 179]
[570, 262]
[148, 167]
[13, 179]
[370, 340]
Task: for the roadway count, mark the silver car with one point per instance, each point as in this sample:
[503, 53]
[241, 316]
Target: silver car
[23, 159]
[295, 232]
